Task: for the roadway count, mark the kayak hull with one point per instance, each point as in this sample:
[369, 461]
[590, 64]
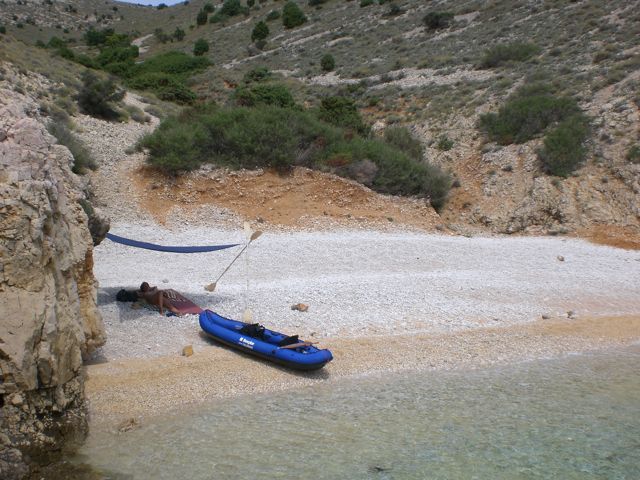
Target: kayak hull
[227, 331]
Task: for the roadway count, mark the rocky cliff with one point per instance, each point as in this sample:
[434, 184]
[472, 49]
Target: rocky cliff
[49, 318]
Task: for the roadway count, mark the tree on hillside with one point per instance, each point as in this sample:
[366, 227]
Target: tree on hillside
[437, 20]
[202, 17]
[327, 62]
[208, 7]
[96, 96]
[260, 31]
[179, 34]
[200, 47]
[292, 15]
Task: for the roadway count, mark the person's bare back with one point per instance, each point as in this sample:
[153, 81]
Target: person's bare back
[159, 298]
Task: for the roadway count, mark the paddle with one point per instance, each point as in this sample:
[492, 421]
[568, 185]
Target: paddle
[212, 286]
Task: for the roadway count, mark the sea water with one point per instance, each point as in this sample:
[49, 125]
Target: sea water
[571, 418]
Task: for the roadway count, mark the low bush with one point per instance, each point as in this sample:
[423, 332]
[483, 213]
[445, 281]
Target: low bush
[273, 137]
[564, 147]
[201, 18]
[633, 154]
[200, 47]
[260, 31]
[174, 63]
[513, 52]
[526, 114]
[273, 15]
[165, 86]
[342, 111]
[264, 94]
[95, 38]
[257, 74]
[82, 159]
[110, 55]
[444, 143]
[438, 20]
[366, 3]
[327, 62]
[231, 8]
[292, 15]
[97, 96]
[401, 138]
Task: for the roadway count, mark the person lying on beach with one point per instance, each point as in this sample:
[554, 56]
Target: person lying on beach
[160, 298]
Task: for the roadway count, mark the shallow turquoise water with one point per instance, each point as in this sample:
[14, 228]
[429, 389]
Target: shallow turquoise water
[572, 418]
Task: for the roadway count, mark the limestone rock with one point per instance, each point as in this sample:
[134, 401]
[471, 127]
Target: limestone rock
[187, 351]
[47, 289]
[301, 307]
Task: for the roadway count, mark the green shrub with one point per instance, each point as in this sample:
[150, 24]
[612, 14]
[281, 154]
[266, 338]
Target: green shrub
[202, 17]
[179, 34]
[438, 20]
[200, 47]
[633, 154]
[95, 38]
[444, 143]
[401, 138]
[175, 63]
[394, 10]
[116, 55]
[260, 31]
[327, 62]
[342, 111]
[292, 15]
[273, 15]
[564, 147]
[231, 8]
[366, 3]
[97, 96]
[136, 114]
[513, 52]
[82, 159]
[86, 60]
[165, 86]
[208, 7]
[264, 94]
[268, 136]
[526, 114]
[218, 18]
[258, 74]
[3, 29]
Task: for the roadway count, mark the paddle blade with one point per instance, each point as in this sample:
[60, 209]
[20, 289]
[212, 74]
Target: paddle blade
[255, 235]
[211, 287]
[247, 316]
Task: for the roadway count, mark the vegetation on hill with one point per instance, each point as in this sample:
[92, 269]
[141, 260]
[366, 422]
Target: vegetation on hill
[533, 110]
[275, 137]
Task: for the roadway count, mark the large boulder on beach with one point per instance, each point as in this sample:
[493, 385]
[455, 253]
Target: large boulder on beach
[50, 319]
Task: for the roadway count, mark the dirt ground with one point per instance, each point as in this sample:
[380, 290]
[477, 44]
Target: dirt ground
[300, 199]
[307, 199]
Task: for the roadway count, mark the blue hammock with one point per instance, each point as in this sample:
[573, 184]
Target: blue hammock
[163, 248]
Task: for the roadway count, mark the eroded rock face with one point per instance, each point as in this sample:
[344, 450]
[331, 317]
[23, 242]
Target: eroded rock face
[50, 319]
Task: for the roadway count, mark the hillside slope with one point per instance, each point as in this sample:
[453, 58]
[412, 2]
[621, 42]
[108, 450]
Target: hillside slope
[436, 82]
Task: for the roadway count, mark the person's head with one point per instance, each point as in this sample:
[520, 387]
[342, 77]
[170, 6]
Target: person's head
[144, 286]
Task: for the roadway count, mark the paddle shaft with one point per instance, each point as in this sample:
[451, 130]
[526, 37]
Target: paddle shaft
[232, 262]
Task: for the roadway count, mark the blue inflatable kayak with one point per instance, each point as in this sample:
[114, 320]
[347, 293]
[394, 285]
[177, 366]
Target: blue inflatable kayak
[264, 343]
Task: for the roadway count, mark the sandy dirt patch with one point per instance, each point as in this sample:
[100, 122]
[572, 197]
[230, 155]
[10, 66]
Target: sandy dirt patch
[301, 199]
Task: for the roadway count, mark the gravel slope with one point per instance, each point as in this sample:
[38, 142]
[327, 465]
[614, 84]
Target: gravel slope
[359, 283]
